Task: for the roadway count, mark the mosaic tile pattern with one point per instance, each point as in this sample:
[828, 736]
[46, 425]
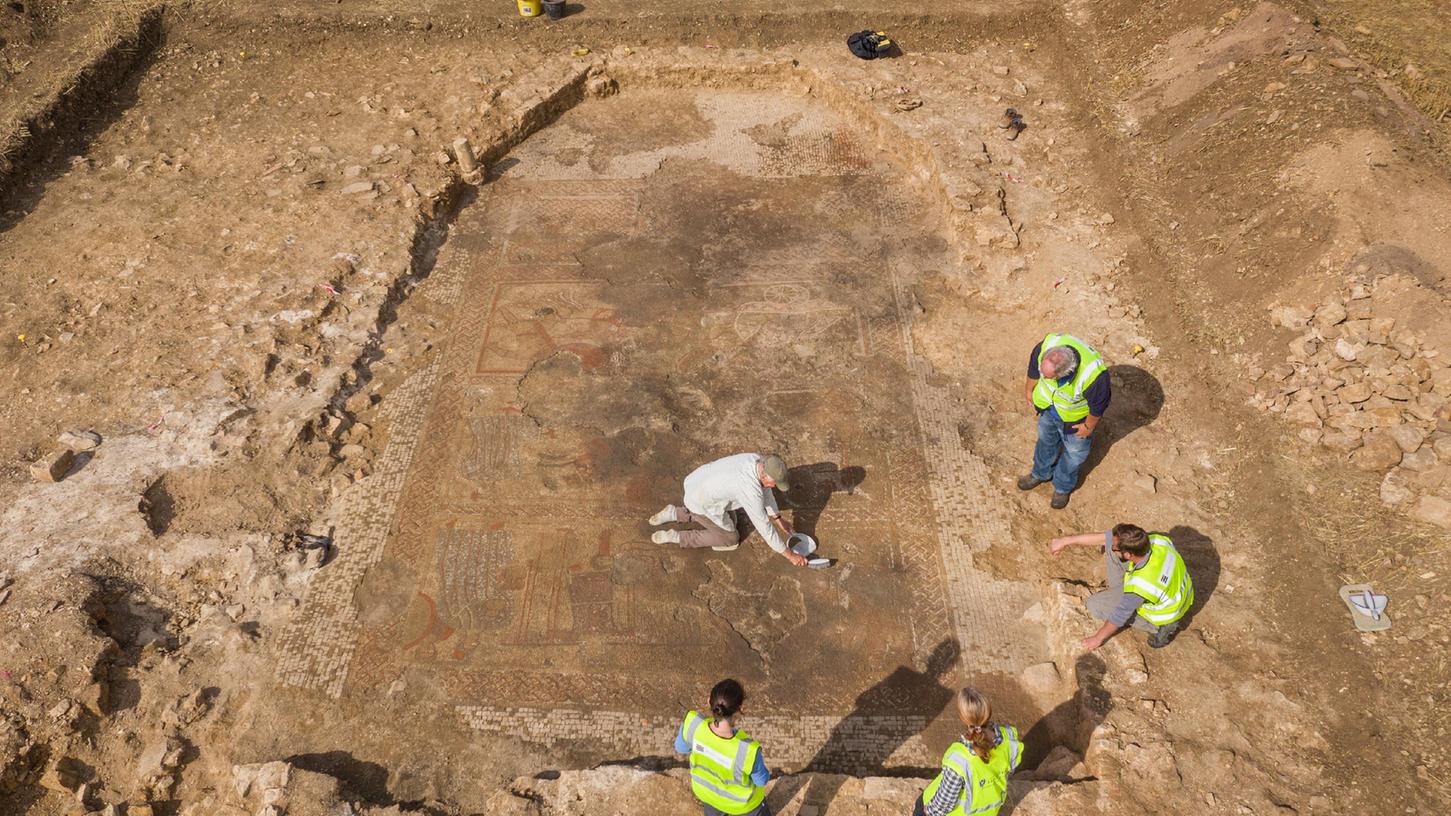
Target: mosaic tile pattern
[789, 742]
[317, 646]
[612, 330]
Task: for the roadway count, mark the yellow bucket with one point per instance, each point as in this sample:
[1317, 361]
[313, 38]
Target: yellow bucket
[530, 8]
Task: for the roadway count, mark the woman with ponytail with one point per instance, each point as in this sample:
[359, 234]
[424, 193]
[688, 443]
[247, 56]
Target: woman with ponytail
[974, 777]
[727, 772]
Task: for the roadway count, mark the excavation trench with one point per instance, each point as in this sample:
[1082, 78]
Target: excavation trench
[86, 97]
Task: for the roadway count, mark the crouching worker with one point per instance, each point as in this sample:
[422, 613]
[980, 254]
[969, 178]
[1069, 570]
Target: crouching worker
[727, 772]
[974, 777]
[1148, 585]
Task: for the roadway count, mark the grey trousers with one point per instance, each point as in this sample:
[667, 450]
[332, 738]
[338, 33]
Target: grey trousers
[709, 535]
[1101, 604]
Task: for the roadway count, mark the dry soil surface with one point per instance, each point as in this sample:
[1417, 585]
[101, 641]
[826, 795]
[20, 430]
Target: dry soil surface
[376, 416]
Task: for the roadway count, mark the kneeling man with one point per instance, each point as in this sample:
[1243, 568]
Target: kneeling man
[716, 492]
[1148, 585]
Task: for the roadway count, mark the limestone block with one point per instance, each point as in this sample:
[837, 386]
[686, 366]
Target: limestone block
[1420, 460]
[1291, 317]
[1408, 437]
[1378, 452]
[1393, 488]
[1433, 510]
[54, 467]
[78, 440]
[1330, 314]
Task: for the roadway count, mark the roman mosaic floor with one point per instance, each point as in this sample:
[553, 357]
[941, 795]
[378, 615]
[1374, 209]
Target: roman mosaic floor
[656, 280]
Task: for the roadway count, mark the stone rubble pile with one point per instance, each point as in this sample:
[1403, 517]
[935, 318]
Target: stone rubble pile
[1373, 392]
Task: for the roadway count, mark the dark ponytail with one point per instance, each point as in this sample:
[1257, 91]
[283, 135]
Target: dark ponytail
[725, 699]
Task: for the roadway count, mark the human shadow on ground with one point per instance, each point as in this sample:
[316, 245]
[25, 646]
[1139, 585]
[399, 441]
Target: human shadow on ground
[1201, 558]
[1137, 400]
[812, 487]
[1070, 723]
[860, 746]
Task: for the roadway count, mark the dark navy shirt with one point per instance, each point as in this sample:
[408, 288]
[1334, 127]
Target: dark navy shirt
[1098, 394]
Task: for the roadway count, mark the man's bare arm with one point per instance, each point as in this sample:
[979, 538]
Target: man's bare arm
[1062, 543]
[1097, 639]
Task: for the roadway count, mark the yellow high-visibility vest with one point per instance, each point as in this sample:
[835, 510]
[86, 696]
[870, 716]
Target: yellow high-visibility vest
[720, 768]
[986, 782]
[1163, 583]
[1068, 400]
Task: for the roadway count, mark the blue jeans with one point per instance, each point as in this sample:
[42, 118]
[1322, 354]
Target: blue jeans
[1061, 446]
[761, 810]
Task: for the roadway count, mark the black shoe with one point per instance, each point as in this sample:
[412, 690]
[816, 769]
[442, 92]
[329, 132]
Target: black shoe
[1162, 638]
[1060, 500]
[1028, 482]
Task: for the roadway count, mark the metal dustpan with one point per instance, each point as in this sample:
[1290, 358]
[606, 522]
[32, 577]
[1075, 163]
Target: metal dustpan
[1367, 609]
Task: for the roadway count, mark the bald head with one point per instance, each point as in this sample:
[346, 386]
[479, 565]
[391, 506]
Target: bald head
[1058, 362]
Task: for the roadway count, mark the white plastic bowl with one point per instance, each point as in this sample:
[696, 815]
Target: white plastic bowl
[801, 544]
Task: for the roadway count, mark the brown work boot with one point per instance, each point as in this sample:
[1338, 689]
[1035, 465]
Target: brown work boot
[1008, 118]
[1028, 482]
[1060, 501]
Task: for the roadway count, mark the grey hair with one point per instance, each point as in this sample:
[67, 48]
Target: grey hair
[1064, 360]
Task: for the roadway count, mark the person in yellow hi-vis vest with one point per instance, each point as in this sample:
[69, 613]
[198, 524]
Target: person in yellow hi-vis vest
[727, 772]
[974, 776]
[1148, 585]
[1068, 385]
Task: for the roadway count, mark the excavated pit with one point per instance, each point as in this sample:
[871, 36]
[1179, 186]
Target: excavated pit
[654, 280]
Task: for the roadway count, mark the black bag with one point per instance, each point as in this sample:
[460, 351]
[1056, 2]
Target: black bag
[869, 44]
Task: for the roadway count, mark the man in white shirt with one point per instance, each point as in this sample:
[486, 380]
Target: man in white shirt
[715, 492]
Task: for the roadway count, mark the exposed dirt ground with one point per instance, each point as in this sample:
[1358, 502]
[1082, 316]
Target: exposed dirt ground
[376, 431]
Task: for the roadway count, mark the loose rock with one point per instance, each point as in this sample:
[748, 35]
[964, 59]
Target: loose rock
[1393, 489]
[1343, 441]
[1442, 445]
[1433, 510]
[1290, 317]
[80, 440]
[600, 86]
[1378, 452]
[1330, 314]
[1408, 437]
[54, 467]
[1355, 392]
[1420, 460]
[464, 152]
